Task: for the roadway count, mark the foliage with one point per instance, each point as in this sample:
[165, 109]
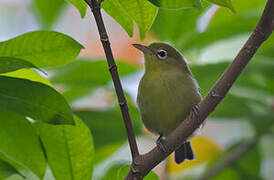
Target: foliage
[40, 125]
[43, 104]
[242, 168]
[69, 149]
[118, 172]
[41, 47]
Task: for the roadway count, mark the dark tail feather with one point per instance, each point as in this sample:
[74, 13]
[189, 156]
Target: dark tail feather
[184, 152]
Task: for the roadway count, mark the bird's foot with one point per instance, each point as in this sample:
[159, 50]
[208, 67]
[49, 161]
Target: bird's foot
[194, 111]
[159, 143]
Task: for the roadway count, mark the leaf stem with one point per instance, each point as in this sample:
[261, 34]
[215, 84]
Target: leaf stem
[96, 10]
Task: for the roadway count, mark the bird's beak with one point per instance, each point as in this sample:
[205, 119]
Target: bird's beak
[143, 48]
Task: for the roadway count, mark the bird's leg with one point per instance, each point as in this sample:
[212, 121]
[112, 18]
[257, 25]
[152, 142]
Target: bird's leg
[194, 111]
[160, 144]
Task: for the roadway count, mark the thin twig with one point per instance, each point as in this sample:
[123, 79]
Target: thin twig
[231, 158]
[143, 164]
[96, 10]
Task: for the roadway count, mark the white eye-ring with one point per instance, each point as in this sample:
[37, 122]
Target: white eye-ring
[161, 54]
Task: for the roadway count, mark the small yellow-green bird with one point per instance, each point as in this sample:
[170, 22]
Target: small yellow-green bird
[167, 93]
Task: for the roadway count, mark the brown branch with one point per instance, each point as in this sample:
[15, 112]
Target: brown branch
[231, 158]
[96, 10]
[273, 25]
[143, 164]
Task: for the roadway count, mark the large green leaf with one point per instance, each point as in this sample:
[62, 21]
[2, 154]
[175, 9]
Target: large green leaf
[7, 170]
[142, 12]
[35, 100]
[224, 3]
[9, 64]
[81, 5]
[115, 10]
[107, 126]
[120, 171]
[69, 150]
[177, 4]
[42, 48]
[45, 13]
[29, 74]
[168, 24]
[20, 144]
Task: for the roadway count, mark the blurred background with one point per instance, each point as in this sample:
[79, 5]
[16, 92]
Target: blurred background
[209, 39]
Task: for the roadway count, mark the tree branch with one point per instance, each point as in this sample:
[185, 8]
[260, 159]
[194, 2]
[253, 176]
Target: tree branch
[230, 159]
[96, 10]
[143, 164]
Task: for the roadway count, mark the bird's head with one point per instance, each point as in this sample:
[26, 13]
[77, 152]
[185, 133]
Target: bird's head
[162, 56]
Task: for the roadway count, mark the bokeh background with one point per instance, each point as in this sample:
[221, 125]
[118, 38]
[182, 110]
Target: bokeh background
[209, 38]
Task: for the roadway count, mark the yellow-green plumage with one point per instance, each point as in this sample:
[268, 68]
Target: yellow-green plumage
[167, 91]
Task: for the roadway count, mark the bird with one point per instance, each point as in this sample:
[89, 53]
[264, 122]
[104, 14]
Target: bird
[167, 93]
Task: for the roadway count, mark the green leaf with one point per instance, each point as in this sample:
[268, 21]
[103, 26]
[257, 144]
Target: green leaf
[225, 25]
[258, 76]
[246, 167]
[107, 126]
[69, 150]
[168, 24]
[262, 123]
[20, 143]
[28, 74]
[83, 76]
[177, 4]
[81, 5]
[9, 64]
[88, 72]
[115, 10]
[45, 11]
[232, 107]
[142, 12]
[6, 170]
[42, 48]
[119, 171]
[267, 48]
[35, 100]
[104, 152]
[224, 3]
[75, 92]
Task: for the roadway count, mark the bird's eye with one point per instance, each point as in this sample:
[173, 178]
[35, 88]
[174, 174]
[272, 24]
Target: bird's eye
[161, 54]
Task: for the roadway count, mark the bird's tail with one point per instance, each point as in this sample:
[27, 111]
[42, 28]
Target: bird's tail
[184, 152]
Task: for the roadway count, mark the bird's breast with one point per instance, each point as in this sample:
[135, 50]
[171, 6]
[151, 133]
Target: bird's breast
[165, 100]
